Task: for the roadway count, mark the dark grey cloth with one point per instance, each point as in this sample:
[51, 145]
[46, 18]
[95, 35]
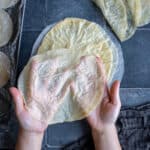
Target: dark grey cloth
[133, 128]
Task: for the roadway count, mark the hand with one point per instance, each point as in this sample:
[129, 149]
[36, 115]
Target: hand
[36, 113]
[27, 122]
[107, 112]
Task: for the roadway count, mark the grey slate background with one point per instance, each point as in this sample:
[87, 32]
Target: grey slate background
[135, 85]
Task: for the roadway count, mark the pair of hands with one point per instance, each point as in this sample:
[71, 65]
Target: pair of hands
[104, 115]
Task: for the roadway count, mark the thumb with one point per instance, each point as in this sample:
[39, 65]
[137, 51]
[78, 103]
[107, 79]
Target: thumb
[17, 99]
[114, 93]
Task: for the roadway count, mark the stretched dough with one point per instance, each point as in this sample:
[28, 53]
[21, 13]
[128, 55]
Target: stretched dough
[62, 80]
[85, 37]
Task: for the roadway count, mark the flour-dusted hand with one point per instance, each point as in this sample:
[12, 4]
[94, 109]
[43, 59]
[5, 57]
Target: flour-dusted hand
[27, 122]
[31, 131]
[107, 112]
[102, 120]
[33, 113]
[43, 95]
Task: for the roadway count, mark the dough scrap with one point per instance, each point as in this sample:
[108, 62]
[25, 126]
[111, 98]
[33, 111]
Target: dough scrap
[7, 3]
[135, 7]
[141, 11]
[6, 28]
[145, 12]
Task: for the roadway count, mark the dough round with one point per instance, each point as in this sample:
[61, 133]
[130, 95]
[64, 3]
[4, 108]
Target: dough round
[62, 81]
[6, 28]
[85, 37]
[80, 38]
[119, 16]
[7, 3]
[4, 69]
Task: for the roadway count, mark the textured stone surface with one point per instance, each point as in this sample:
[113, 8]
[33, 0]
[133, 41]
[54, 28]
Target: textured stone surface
[35, 15]
[27, 41]
[137, 63]
[134, 96]
[57, 10]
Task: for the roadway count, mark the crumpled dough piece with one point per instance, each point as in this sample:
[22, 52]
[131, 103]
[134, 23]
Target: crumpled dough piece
[145, 14]
[88, 38]
[119, 17]
[7, 3]
[141, 11]
[59, 76]
[4, 69]
[6, 28]
[135, 7]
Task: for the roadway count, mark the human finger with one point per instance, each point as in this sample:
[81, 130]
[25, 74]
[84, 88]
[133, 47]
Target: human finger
[114, 93]
[17, 99]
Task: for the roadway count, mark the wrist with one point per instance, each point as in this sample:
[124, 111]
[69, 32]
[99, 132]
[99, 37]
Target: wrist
[31, 134]
[105, 128]
[103, 139]
[32, 140]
